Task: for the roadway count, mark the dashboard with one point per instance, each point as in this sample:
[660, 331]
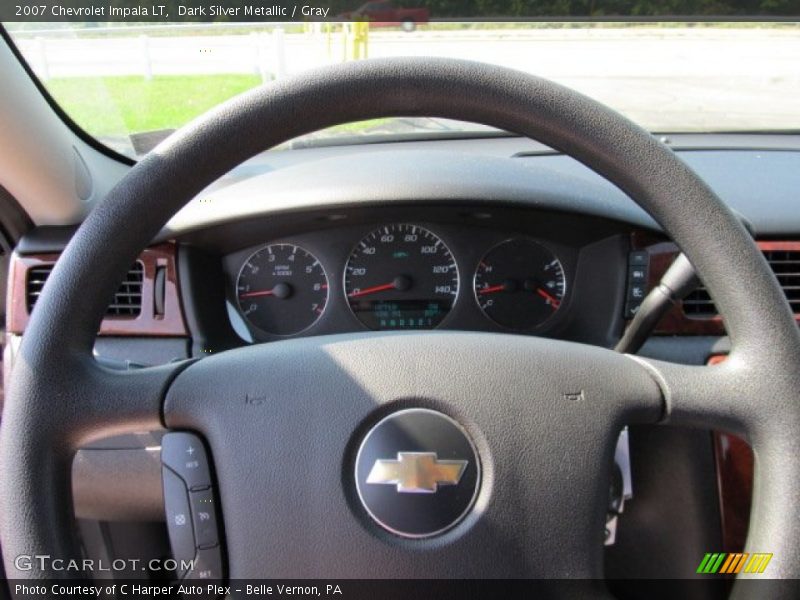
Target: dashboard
[496, 235]
[473, 210]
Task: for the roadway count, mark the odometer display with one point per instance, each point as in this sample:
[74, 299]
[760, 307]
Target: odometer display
[401, 277]
[520, 284]
[282, 289]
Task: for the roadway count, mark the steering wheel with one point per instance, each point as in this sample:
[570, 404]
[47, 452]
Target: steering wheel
[541, 416]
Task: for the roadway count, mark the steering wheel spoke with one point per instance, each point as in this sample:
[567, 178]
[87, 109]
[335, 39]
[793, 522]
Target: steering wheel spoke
[703, 396]
[126, 401]
[756, 400]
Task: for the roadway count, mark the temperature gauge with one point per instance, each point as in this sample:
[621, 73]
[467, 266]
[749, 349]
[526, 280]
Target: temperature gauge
[520, 284]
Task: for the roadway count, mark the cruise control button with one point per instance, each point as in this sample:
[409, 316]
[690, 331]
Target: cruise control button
[631, 309]
[207, 564]
[204, 517]
[638, 258]
[179, 520]
[636, 293]
[184, 453]
[637, 274]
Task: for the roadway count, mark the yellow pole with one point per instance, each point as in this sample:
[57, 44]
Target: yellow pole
[328, 41]
[361, 39]
[345, 41]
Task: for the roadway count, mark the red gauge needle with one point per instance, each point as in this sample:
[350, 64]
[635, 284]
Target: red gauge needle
[256, 294]
[554, 302]
[281, 290]
[492, 289]
[400, 283]
[372, 290]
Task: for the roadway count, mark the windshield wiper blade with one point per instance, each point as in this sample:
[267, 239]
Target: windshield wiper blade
[388, 138]
[144, 141]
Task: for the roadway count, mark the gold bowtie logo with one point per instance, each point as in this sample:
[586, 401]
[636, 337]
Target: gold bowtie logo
[417, 472]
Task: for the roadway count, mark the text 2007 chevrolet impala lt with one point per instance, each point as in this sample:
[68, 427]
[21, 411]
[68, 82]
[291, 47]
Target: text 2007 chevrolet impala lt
[480, 309]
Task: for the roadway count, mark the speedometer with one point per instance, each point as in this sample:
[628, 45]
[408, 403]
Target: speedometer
[401, 276]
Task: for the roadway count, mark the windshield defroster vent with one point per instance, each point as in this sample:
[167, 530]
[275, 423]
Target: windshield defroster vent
[786, 266]
[127, 301]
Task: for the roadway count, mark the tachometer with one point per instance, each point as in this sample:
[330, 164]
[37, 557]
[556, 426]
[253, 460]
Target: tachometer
[519, 284]
[401, 277]
[282, 289]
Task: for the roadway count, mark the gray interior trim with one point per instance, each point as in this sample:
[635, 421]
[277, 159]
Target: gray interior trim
[118, 484]
[52, 173]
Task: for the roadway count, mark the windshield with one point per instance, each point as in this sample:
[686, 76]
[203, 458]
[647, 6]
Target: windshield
[130, 86]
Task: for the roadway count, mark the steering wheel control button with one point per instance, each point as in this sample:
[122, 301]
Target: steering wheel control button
[185, 454]
[638, 258]
[204, 517]
[207, 565]
[417, 473]
[638, 263]
[190, 507]
[179, 520]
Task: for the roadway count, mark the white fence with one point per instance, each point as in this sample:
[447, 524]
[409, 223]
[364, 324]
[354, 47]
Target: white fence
[270, 53]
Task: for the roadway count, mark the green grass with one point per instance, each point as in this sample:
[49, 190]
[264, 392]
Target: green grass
[115, 106]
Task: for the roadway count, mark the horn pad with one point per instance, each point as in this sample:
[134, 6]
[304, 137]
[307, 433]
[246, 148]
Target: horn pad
[417, 473]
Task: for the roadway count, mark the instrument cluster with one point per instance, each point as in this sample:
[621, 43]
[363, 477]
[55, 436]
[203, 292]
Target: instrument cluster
[396, 276]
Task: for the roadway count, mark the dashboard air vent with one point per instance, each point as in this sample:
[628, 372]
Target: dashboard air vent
[785, 264]
[127, 301]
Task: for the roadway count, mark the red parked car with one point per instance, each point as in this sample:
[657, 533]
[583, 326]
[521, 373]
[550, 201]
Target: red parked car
[381, 13]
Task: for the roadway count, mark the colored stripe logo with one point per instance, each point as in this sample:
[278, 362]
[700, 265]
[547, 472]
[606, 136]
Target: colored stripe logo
[731, 563]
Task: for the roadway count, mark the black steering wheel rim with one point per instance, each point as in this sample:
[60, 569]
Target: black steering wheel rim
[59, 398]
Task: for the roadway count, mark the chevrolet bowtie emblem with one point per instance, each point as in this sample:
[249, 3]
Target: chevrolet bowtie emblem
[417, 472]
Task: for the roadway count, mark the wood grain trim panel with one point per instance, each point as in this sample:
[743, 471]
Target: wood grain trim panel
[171, 323]
[734, 462]
[734, 459]
[675, 322]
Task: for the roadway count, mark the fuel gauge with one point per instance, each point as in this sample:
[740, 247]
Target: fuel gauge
[520, 284]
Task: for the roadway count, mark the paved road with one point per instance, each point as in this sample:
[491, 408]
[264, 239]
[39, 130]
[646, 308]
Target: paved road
[665, 78]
